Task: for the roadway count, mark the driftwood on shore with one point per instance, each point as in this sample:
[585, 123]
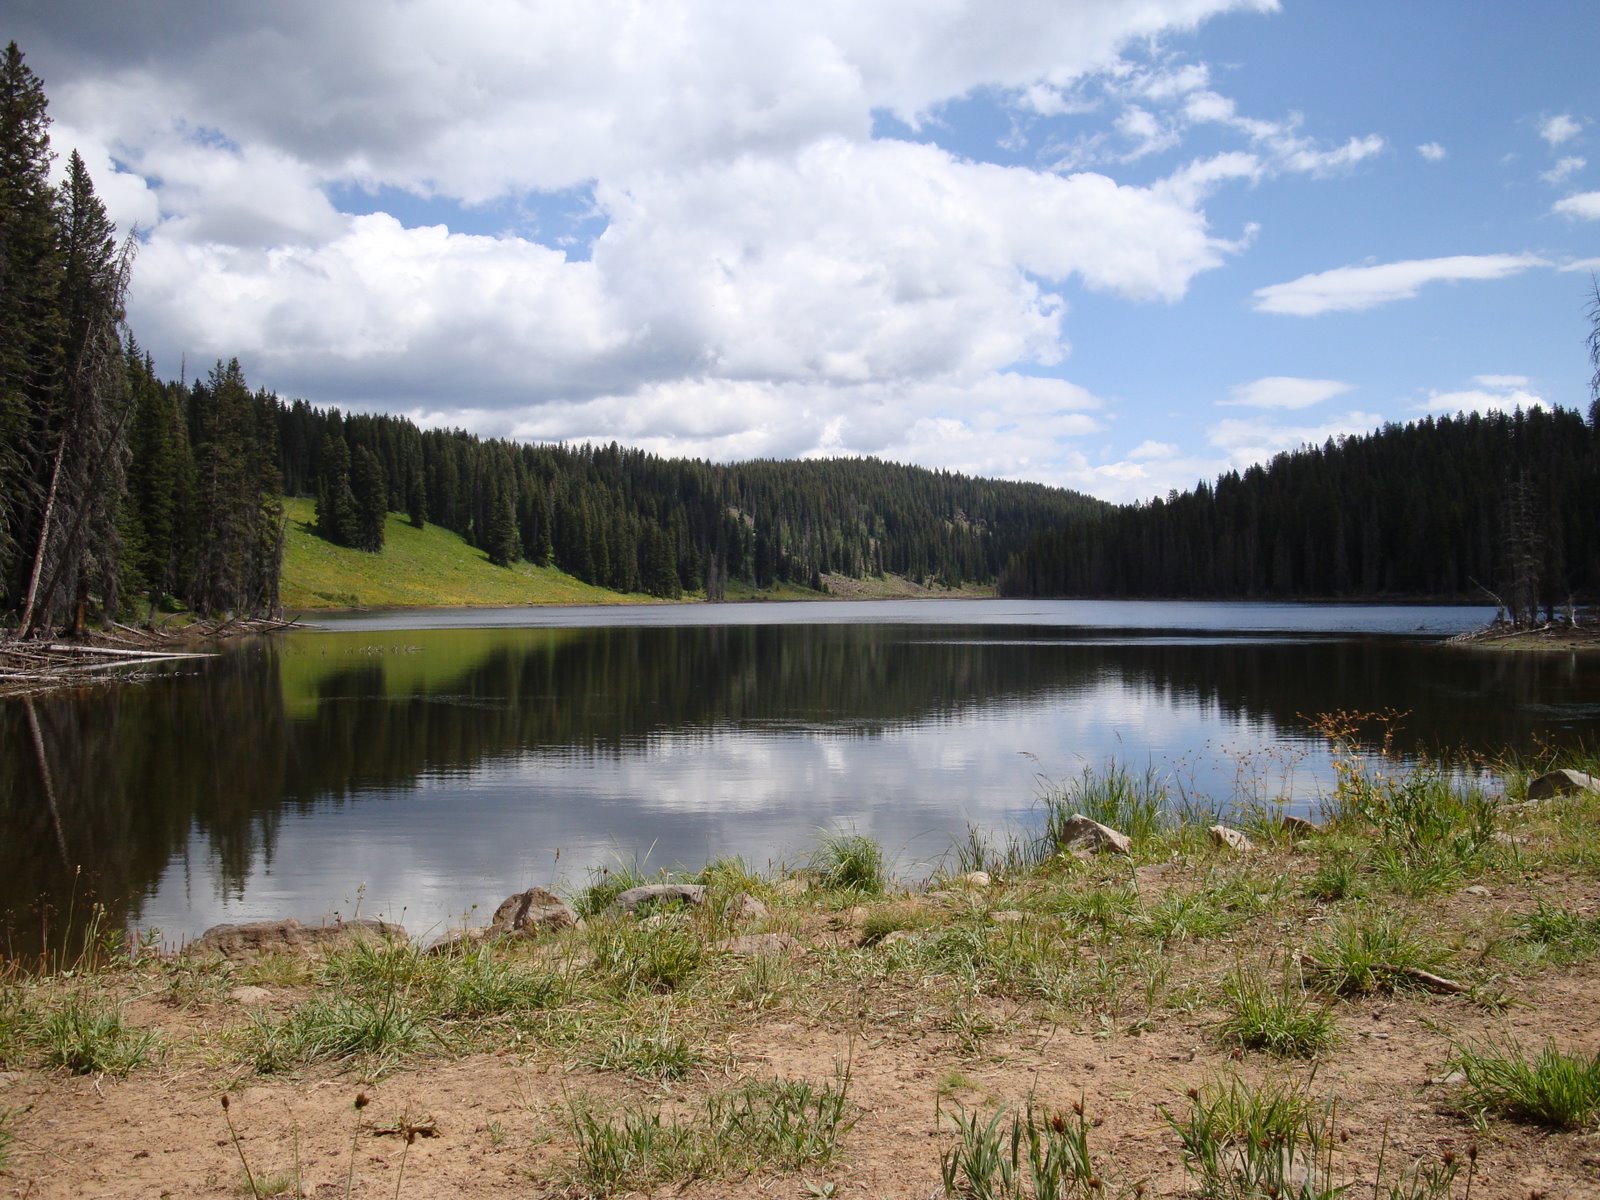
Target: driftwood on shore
[117, 652]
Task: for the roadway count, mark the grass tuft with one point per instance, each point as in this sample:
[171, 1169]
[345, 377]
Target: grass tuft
[1556, 1090]
[660, 1055]
[659, 954]
[849, 862]
[1371, 950]
[776, 1125]
[1282, 1020]
[1244, 1142]
[1036, 1154]
[1137, 805]
[87, 1036]
[1559, 936]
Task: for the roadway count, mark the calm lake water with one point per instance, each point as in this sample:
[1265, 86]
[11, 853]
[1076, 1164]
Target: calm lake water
[419, 765]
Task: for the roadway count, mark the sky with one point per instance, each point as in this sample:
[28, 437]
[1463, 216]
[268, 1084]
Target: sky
[1114, 245]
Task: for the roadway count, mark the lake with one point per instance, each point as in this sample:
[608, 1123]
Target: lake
[422, 765]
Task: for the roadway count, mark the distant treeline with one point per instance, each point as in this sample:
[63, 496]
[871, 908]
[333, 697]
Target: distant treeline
[632, 521]
[1452, 507]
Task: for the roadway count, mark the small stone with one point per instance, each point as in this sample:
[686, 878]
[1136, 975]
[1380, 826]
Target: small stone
[897, 935]
[975, 879]
[1448, 1079]
[1006, 916]
[1082, 833]
[249, 994]
[1231, 839]
[1299, 827]
[1476, 889]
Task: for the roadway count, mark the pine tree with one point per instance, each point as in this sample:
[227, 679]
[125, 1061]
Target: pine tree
[29, 308]
[83, 424]
[371, 496]
[336, 500]
[500, 530]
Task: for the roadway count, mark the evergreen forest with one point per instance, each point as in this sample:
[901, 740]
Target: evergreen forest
[1497, 506]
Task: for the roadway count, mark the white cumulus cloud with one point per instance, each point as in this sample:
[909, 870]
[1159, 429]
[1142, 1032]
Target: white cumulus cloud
[1432, 151]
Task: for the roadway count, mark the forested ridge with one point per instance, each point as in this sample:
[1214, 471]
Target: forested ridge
[1461, 506]
[636, 522]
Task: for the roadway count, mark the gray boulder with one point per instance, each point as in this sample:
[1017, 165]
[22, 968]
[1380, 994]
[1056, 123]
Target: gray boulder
[1080, 833]
[1564, 782]
[270, 937]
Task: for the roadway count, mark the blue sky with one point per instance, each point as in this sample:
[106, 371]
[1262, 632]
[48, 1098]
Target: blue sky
[1118, 247]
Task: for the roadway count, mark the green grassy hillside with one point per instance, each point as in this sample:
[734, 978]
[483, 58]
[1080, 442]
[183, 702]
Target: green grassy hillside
[418, 567]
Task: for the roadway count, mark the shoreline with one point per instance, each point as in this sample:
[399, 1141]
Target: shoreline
[1353, 973]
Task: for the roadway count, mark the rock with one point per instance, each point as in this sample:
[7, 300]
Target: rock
[751, 909]
[249, 995]
[897, 935]
[1005, 916]
[635, 900]
[1476, 889]
[1231, 839]
[1081, 833]
[1561, 783]
[534, 911]
[754, 945]
[460, 941]
[266, 937]
[1299, 827]
[1448, 1079]
[975, 879]
[649, 895]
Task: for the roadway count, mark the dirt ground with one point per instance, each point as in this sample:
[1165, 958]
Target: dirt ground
[498, 1123]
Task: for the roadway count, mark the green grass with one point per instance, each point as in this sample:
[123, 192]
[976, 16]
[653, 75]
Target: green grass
[87, 1036]
[1281, 1019]
[657, 1055]
[1036, 1154]
[379, 1031]
[1244, 1142]
[417, 567]
[776, 1125]
[1372, 950]
[1557, 936]
[1137, 805]
[1556, 1090]
[849, 862]
[1429, 833]
[633, 956]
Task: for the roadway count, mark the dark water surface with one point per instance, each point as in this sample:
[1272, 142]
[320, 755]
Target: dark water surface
[419, 764]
